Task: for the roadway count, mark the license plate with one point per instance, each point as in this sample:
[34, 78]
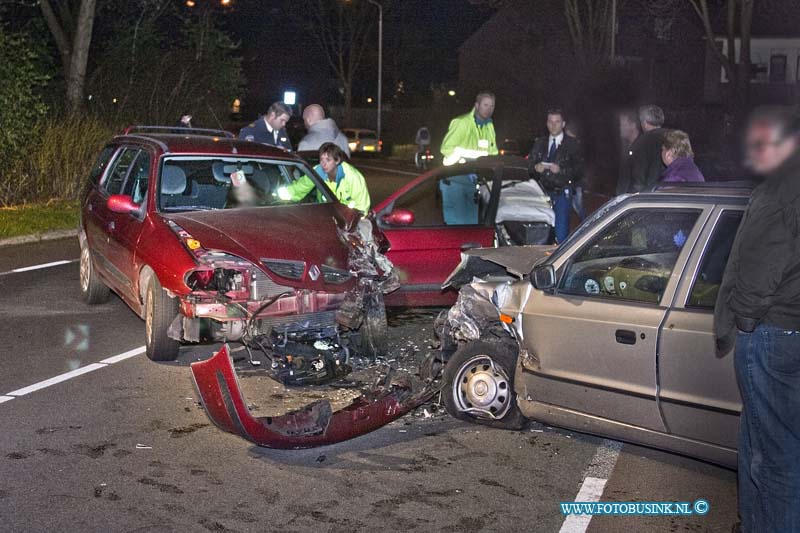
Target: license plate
[369, 148]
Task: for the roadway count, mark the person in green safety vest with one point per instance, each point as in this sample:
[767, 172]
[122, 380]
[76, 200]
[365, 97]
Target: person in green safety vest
[469, 136]
[341, 177]
[472, 135]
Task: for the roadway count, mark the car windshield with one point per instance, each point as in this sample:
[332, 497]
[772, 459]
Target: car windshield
[201, 183]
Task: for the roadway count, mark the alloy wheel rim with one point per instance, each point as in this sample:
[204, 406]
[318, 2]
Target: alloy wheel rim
[482, 388]
[85, 269]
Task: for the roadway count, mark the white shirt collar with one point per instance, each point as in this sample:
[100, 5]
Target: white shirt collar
[558, 138]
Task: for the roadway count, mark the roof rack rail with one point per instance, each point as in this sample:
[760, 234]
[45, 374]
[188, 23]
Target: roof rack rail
[721, 184]
[180, 130]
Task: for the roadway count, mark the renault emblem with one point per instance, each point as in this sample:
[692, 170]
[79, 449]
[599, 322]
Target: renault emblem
[313, 272]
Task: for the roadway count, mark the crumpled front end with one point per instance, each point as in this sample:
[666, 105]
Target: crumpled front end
[315, 424]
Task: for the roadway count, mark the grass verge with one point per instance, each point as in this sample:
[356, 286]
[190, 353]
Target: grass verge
[31, 219]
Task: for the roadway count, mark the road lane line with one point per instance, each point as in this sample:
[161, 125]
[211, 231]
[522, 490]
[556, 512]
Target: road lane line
[39, 267]
[44, 265]
[123, 356]
[389, 170]
[594, 482]
[57, 379]
[72, 374]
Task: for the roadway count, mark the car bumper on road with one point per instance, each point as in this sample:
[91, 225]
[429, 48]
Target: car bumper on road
[314, 425]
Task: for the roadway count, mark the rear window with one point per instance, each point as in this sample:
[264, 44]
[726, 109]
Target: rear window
[199, 183]
[368, 135]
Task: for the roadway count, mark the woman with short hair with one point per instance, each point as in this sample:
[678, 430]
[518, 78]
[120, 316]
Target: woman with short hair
[677, 155]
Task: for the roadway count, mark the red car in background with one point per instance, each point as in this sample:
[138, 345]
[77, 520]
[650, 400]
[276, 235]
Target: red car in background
[190, 232]
[498, 204]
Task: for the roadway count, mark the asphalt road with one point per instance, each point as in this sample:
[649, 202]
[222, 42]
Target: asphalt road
[124, 446]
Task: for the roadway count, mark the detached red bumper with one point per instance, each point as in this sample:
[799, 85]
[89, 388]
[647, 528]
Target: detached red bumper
[314, 425]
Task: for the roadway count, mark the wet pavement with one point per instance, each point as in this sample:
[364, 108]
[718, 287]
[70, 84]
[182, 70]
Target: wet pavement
[126, 446]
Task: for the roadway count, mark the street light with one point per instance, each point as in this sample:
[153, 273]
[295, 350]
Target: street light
[380, 61]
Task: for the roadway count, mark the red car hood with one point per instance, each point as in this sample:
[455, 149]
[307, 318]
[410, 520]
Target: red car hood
[306, 233]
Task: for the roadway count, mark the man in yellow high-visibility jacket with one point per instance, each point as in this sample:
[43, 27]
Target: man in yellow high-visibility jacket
[469, 136]
[342, 178]
[472, 135]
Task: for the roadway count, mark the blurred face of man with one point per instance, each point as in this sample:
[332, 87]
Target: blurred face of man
[555, 124]
[277, 122]
[628, 130]
[328, 164]
[484, 108]
[767, 148]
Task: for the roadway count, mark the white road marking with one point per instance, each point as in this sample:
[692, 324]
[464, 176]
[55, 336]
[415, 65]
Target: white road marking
[123, 356]
[72, 374]
[390, 170]
[594, 482]
[39, 267]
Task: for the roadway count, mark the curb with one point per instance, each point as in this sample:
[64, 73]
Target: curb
[39, 237]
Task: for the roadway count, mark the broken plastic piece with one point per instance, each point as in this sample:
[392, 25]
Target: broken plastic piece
[314, 425]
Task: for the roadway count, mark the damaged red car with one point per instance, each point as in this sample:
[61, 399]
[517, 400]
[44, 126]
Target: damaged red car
[189, 230]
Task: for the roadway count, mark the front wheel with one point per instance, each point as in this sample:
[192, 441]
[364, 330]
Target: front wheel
[479, 385]
[93, 290]
[160, 311]
[375, 328]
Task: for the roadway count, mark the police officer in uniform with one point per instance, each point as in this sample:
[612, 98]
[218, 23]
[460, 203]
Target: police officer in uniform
[270, 128]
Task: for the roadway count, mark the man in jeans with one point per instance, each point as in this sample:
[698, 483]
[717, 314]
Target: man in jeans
[759, 306]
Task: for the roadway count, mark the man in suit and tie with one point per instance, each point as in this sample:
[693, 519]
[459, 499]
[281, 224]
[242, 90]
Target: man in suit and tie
[556, 163]
[270, 128]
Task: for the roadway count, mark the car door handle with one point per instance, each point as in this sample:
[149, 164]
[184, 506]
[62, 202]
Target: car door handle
[469, 246]
[625, 336]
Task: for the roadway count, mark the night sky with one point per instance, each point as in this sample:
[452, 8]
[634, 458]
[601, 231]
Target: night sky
[278, 56]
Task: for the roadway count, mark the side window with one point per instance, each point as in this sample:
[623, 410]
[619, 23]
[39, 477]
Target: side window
[448, 201]
[633, 258]
[709, 276]
[101, 163]
[115, 179]
[136, 185]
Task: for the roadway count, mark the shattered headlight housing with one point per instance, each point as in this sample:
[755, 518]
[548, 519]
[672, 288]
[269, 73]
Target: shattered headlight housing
[223, 273]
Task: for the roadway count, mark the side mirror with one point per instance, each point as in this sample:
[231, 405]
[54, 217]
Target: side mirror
[121, 203]
[399, 217]
[543, 277]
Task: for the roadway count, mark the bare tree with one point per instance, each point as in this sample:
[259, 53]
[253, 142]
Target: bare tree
[738, 24]
[341, 30]
[71, 22]
[590, 27]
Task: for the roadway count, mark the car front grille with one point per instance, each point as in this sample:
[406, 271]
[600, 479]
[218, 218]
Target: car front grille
[304, 322]
[335, 276]
[285, 268]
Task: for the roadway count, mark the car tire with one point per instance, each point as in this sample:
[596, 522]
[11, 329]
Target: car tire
[481, 375]
[375, 328]
[160, 311]
[93, 290]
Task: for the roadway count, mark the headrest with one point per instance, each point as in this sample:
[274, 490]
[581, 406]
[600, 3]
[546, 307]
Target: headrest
[173, 180]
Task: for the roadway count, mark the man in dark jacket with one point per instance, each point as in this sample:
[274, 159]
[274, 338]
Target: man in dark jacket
[759, 306]
[555, 161]
[270, 128]
[646, 166]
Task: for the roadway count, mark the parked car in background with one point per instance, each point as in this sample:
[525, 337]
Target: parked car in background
[509, 147]
[612, 333]
[363, 140]
[431, 220]
[190, 232]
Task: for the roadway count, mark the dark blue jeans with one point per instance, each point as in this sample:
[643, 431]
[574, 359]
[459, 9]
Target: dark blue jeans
[562, 203]
[768, 372]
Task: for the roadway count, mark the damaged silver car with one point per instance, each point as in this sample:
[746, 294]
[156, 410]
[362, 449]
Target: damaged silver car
[611, 333]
